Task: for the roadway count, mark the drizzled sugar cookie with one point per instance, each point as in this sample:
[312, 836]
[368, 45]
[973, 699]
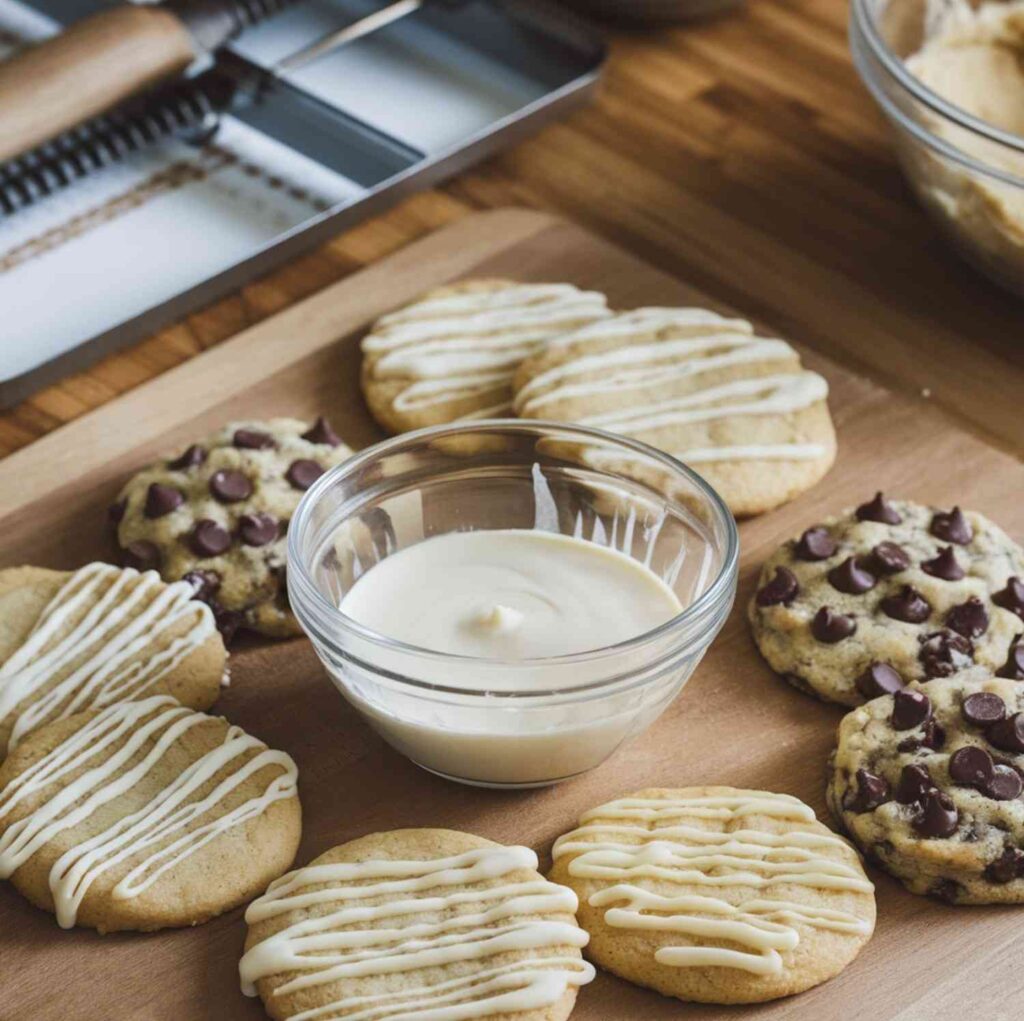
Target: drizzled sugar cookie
[452, 353]
[83, 640]
[716, 894]
[145, 815]
[736, 407]
[890, 592]
[415, 924]
[217, 513]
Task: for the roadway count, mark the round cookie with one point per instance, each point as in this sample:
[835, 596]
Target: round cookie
[70, 642]
[145, 815]
[888, 593]
[928, 782]
[452, 353]
[217, 515]
[715, 894]
[737, 408]
[417, 921]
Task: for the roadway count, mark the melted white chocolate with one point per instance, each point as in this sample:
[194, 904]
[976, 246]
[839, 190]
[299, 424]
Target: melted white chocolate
[124, 745]
[356, 940]
[468, 345]
[85, 650]
[631, 840]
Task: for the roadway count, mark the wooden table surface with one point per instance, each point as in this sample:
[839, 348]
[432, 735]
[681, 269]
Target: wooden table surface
[741, 154]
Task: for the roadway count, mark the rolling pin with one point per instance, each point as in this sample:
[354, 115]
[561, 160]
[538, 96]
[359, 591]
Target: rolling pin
[108, 57]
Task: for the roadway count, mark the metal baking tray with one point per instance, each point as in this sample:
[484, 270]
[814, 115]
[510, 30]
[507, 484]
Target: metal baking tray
[139, 246]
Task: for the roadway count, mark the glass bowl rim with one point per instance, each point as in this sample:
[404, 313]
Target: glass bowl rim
[717, 592]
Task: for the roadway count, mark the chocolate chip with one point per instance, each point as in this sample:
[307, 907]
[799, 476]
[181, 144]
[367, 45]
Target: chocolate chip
[1008, 735]
[1004, 785]
[115, 512]
[944, 652]
[228, 622]
[783, 588]
[142, 555]
[933, 735]
[257, 529]
[253, 439]
[303, 473]
[1012, 597]
[969, 619]
[983, 708]
[879, 679]
[910, 709]
[161, 500]
[205, 584]
[889, 558]
[944, 565]
[878, 510]
[907, 605]
[208, 539]
[947, 890]
[971, 765]
[871, 792]
[193, 456]
[829, 627]
[229, 486]
[1013, 668]
[1007, 867]
[321, 432]
[939, 817]
[914, 783]
[815, 544]
[952, 527]
[852, 577]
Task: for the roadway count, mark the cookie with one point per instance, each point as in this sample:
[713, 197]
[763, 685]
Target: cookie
[928, 781]
[452, 354]
[416, 923]
[76, 641]
[715, 894]
[735, 407]
[888, 593]
[145, 815]
[217, 513]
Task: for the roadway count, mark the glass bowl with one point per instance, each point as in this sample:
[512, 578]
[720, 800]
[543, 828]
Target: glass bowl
[511, 723]
[968, 174]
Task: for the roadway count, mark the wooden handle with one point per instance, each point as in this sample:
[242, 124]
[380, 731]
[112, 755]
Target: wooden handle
[92, 66]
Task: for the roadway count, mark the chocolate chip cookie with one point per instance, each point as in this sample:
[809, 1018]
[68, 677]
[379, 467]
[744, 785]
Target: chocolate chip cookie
[216, 514]
[929, 782]
[891, 592]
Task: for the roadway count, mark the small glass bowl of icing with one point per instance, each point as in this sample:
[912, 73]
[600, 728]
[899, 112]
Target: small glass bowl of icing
[508, 602]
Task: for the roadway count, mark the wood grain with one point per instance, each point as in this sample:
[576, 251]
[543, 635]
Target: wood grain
[735, 722]
[741, 154]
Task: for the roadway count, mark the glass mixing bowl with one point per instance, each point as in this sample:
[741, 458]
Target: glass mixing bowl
[511, 723]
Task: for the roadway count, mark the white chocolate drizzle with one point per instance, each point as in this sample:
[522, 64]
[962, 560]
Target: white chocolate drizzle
[468, 345]
[109, 635]
[124, 745]
[355, 940]
[635, 839]
[695, 342]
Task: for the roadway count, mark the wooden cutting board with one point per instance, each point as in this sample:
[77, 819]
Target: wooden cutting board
[735, 723]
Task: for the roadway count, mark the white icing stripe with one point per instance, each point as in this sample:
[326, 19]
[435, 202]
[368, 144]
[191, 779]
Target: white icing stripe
[597, 458]
[165, 831]
[350, 943]
[468, 345]
[103, 618]
[632, 840]
[681, 321]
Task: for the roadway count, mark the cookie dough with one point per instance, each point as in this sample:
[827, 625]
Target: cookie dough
[76, 641]
[974, 59]
[416, 923]
[452, 354]
[145, 815]
[891, 592]
[716, 894]
[928, 782]
[736, 407]
[216, 515]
